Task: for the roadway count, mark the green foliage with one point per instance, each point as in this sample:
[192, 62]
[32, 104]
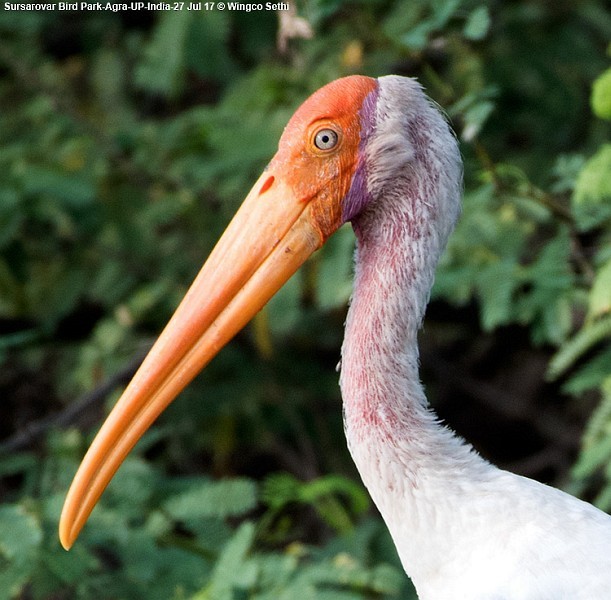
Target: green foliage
[128, 142]
[596, 453]
[187, 545]
[223, 499]
[238, 574]
[20, 536]
[477, 24]
[594, 336]
[593, 184]
[282, 489]
[601, 96]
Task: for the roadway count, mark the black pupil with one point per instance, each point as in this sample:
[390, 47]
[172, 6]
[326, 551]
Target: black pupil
[326, 139]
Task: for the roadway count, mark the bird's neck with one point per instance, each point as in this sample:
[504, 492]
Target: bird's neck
[384, 400]
[406, 458]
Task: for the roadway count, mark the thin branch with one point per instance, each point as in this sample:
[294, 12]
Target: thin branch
[69, 415]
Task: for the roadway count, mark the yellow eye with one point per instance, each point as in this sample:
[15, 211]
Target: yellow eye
[326, 139]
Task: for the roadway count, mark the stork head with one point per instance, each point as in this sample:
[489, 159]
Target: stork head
[334, 158]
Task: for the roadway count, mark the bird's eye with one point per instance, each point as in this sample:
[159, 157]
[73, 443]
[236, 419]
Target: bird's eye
[326, 139]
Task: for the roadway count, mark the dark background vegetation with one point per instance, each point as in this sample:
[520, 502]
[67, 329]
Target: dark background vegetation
[128, 139]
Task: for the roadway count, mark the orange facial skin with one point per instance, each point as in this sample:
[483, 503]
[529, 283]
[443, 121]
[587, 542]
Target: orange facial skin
[320, 178]
[290, 212]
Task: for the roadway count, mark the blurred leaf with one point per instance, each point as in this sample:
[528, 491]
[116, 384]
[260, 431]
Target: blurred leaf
[224, 498]
[592, 458]
[599, 301]
[593, 184]
[436, 17]
[55, 290]
[566, 171]
[547, 304]
[597, 439]
[19, 531]
[333, 484]
[16, 463]
[591, 375]
[443, 10]
[71, 190]
[585, 339]
[68, 568]
[20, 535]
[11, 217]
[206, 49]
[232, 571]
[601, 96]
[475, 117]
[495, 286]
[282, 489]
[478, 24]
[109, 76]
[162, 67]
[283, 308]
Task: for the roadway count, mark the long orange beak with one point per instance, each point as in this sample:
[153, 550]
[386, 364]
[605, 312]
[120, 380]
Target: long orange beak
[272, 234]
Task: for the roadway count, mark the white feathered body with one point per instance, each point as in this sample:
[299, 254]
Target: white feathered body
[463, 528]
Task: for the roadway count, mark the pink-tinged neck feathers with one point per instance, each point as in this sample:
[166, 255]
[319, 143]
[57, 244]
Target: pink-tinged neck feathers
[414, 179]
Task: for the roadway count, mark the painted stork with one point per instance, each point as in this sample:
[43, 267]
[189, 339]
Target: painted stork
[377, 153]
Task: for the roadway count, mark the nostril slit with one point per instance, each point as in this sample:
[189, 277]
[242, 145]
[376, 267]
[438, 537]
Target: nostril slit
[268, 183]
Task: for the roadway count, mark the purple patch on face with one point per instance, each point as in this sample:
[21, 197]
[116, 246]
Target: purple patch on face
[358, 195]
